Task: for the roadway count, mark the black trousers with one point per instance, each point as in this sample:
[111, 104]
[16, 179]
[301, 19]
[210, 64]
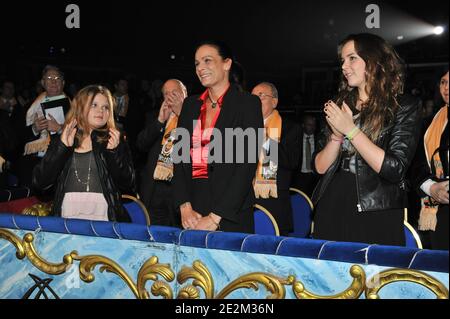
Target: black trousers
[161, 209]
[306, 182]
[336, 217]
[439, 237]
[202, 203]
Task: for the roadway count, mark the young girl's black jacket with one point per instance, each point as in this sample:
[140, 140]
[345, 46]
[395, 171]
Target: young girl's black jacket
[387, 189]
[115, 168]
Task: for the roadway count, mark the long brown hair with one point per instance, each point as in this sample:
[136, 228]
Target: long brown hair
[80, 108]
[385, 80]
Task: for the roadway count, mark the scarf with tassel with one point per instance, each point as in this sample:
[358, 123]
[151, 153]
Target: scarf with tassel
[164, 166]
[265, 182]
[432, 141]
[41, 144]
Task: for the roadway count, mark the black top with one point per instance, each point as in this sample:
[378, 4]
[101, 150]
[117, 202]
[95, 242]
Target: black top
[83, 171]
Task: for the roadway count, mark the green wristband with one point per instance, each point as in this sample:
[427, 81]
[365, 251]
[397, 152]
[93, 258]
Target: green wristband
[352, 133]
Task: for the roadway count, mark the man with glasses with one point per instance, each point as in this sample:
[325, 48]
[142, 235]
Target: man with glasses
[53, 83]
[39, 127]
[273, 176]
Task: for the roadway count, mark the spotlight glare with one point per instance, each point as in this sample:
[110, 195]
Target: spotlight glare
[438, 30]
[400, 37]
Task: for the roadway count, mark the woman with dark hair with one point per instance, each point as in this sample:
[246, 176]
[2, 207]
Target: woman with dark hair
[372, 136]
[212, 191]
[432, 174]
[90, 161]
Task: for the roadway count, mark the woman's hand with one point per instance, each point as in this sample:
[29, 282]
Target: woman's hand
[207, 223]
[439, 192]
[334, 131]
[114, 139]
[68, 134]
[189, 217]
[340, 120]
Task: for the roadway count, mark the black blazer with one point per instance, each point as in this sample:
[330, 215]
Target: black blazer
[231, 184]
[149, 140]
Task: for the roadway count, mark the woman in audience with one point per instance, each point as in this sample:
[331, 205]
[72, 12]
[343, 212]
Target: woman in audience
[373, 134]
[433, 175]
[217, 193]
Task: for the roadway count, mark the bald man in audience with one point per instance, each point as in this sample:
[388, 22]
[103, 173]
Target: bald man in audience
[157, 139]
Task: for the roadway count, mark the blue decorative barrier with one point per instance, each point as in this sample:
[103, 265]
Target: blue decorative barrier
[53, 257]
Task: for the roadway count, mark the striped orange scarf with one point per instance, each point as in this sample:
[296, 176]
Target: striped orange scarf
[432, 141]
[164, 166]
[265, 182]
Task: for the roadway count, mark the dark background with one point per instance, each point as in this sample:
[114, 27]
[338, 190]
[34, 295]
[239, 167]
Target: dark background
[291, 43]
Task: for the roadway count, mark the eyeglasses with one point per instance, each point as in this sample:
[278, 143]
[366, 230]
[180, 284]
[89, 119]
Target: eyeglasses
[55, 78]
[264, 95]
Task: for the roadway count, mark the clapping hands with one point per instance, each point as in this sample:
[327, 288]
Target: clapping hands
[68, 134]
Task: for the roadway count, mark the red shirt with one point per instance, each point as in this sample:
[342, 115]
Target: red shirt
[201, 137]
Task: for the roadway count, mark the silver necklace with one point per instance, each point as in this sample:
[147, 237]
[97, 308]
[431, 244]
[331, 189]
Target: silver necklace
[89, 173]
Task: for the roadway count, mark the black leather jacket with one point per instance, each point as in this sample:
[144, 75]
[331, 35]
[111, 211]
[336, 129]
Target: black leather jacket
[114, 166]
[387, 189]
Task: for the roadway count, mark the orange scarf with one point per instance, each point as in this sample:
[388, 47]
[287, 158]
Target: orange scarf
[432, 141]
[41, 144]
[164, 166]
[265, 182]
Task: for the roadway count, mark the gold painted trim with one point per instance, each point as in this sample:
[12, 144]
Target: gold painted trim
[150, 271]
[88, 264]
[273, 284]
[25, 248]
[389, 276]
[15, 240]
[414, 233]
[310, 203]
[42, 264]
[295, 190]
[203, 279]
[353, 292]
[272, 219]
[141, 204]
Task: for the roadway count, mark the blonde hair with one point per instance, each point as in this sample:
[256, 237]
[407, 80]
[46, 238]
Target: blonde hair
[80, 108]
